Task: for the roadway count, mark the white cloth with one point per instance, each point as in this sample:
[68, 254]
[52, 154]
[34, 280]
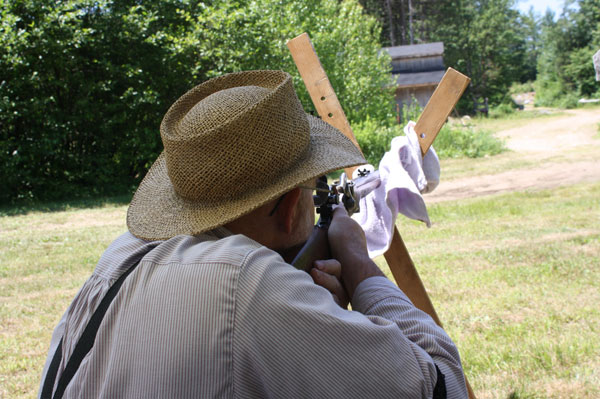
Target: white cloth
[404, 175]
[220, 316]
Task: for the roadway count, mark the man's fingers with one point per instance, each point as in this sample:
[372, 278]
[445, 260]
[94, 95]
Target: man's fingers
[332, 284]
[329, 266]
[325, 280]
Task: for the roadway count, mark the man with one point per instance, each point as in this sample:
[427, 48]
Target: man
[211, 308]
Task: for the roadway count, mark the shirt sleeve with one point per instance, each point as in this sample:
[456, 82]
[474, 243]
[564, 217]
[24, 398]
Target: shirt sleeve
[292, 340]
[379, 297]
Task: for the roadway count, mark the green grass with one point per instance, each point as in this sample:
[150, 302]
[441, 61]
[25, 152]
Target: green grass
[44, 259]
[515, 279]
[514, 119]
[54, 206]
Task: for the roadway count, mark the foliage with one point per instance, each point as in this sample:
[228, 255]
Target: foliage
[460, 141]
[525, 87]
[529, 27]
[85, 83]
[493, 49]
[565, 69]
[344, 37]
[374, 139]
[502, 110]
[568, 101]
[486, 39]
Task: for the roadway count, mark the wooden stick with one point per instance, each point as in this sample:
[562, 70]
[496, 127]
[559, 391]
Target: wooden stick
[321, 92]
[441, 103]
[327, 105]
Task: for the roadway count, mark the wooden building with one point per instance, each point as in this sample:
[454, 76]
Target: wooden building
[417, 70]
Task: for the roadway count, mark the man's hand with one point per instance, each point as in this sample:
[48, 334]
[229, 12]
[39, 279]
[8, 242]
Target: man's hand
[349, 247]
[328, 274]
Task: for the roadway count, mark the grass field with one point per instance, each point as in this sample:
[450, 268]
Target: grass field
[515, 278]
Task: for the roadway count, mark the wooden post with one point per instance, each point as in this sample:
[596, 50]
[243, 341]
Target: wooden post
[441, 103]
[321, 92]
[432, 119]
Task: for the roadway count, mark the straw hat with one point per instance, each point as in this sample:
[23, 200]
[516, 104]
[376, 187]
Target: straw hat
[232, 144]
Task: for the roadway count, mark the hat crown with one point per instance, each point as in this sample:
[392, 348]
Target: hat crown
[226, 138]
[219, 108]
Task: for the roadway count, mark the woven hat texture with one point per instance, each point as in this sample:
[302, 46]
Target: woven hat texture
[231, 144]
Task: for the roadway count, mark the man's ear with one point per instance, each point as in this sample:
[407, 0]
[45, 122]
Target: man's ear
[287, 210]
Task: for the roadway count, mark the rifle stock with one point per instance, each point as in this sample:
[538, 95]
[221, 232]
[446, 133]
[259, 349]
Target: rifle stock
[316, 248]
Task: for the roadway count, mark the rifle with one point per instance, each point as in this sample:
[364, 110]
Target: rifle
[326, 196]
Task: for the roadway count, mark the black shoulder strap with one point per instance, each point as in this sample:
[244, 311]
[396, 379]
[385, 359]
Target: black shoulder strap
[439, 391]
[84, 345]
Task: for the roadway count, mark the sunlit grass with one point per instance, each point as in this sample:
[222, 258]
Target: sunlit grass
[515, 119]
[44, 259]
[515, 279]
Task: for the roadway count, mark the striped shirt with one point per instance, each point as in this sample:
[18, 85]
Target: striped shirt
[221, 316]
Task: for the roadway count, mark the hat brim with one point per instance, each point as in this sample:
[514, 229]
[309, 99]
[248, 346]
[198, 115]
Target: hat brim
[156, 212]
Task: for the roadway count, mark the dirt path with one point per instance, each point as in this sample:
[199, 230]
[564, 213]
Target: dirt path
[565, 137]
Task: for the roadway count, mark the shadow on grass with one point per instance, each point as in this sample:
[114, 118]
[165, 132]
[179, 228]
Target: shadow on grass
[58, 206]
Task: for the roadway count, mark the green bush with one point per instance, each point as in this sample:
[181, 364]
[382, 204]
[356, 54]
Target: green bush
[517, 88]
[568, 101]
[85, 83]
[374, 139]
[410, 111]
[465, 141]
[501, 110]
[452, 141]
[84, 87]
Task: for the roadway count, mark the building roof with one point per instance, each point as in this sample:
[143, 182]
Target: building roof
[419, 78]
[416, 50]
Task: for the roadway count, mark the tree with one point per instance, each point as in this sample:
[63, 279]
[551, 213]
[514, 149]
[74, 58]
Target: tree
[494, 50]
[531, 32]
[484, 39]
[565, 69]
[85, 83]
[345, 39]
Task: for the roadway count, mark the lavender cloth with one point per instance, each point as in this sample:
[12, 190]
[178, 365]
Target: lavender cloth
[404, 175]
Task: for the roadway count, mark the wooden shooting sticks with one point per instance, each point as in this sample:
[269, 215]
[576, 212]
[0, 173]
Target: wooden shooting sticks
[443, 100]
